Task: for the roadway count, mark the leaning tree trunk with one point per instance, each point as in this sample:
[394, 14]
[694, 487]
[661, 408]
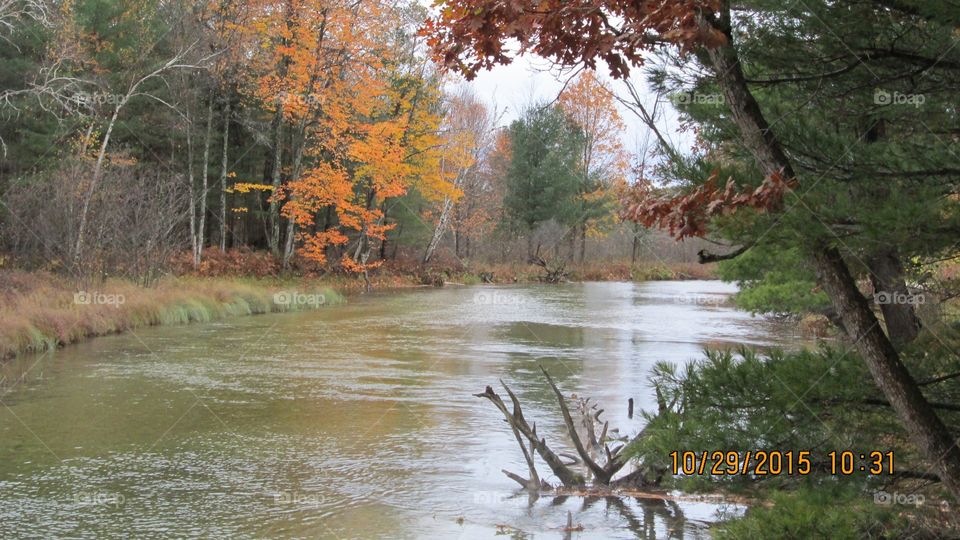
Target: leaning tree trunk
[893, 297]
[439, 230]
[928, 432]
[299, 141]
[288, 245]
[94, 183]
[896, 383]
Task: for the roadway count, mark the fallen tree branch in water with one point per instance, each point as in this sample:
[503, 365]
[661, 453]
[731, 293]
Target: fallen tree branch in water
[520, 425]
[557, 274]
[602, 466]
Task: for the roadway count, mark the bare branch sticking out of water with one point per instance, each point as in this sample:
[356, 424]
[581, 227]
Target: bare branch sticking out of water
[602, 463]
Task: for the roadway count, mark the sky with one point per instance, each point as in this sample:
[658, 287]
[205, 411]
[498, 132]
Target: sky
[529, 79]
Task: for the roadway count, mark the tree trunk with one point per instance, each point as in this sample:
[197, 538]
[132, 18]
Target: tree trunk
[223, 175]
[901, 390]
[205, 187]
[191, 181]
[94, 183]
[926, 429]
[893, 297]
[439, 230]
[273, 235]
[386, 234]
[299, 141]
[583, 242]
[288, 244]
[396, 241]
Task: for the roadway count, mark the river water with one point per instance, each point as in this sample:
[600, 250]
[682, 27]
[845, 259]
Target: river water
[356, 421]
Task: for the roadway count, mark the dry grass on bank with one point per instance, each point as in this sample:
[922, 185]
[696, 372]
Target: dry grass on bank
[40, 311]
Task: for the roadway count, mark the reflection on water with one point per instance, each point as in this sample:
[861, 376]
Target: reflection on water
[352, 422]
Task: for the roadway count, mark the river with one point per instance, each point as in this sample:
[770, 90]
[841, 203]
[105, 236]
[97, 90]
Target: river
[356, 421]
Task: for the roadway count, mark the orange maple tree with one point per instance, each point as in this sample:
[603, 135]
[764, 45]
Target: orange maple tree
[362, 117]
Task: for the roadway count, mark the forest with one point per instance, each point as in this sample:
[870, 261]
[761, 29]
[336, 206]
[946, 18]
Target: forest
[321, 136]
[186, 161]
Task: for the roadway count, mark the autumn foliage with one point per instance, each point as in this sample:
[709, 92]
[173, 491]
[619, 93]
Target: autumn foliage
[688, 215]
[362, 108]
[470, 35]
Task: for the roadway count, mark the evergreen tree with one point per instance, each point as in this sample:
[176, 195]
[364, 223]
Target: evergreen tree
[543, 178]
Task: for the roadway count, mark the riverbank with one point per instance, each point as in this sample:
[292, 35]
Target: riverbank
[41, 311]
[407, 272]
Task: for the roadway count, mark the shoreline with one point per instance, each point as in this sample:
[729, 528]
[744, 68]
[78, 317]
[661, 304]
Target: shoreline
[40, 311]
[43, 312]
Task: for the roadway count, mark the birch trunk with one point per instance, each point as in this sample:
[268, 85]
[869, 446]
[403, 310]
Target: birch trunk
[204, 187]
[223, 175]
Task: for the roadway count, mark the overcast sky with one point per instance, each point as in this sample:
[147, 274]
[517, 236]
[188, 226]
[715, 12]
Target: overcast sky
[529, 80]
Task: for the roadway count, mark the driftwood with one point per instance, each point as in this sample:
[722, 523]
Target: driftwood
[601, 463]
[555, 272]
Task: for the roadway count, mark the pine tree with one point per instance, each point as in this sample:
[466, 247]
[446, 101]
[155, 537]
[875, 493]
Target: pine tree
[543, 177]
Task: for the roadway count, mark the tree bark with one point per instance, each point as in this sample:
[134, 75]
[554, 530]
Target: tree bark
[893, 297]
[205, 186]
[926, 429]
[94, 183]
[273, 236]
[288, 244]
[439, 230]
[298, 140]
[191, 182]
[583, 242]
[383, 243]
[224, 164]
[893, 379]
